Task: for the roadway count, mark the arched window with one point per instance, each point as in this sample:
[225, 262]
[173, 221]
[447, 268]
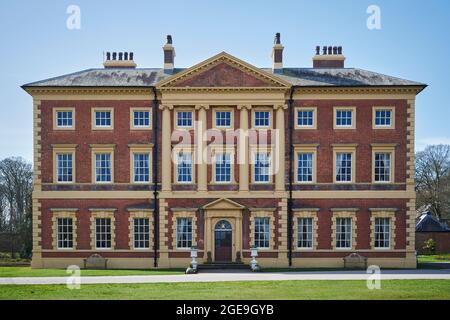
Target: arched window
[223, 225]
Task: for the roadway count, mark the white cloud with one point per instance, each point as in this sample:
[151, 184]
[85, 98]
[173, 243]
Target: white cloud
[421, 144]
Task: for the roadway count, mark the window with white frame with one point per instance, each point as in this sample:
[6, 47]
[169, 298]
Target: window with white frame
[141, 119]
[184, 167]
[262, 167]
[305, 167]
[344, 118]
[223, 119]
[344, 166]
[343, 233]
[262, 119]
[64, 119]
[305, 233]
[141, 167]
[65, 233]
[64, 167]
[103, 168]
[184, 119]
[141, 233]
[223, 167]
[382, 233]
[103, 233]
[383, 117]
[262, 232]
[305, 118]
[184, 233]
[103, 119]
[382, 167]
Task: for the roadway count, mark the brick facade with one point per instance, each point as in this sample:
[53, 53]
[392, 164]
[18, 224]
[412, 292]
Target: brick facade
[237, 203]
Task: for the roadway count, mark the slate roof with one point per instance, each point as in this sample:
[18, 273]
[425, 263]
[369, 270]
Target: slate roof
[147, 77]
[428, 223]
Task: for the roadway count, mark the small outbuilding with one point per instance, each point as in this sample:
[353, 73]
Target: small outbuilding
[428, 227]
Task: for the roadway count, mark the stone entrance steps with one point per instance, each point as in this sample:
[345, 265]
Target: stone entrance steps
[223, 266]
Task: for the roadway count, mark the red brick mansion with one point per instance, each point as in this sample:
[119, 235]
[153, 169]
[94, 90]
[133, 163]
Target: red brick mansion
[308, 165]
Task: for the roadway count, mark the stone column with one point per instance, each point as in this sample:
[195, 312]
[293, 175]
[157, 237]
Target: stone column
[166, 156]
[243, 148]
[279, 149]
[201, 146]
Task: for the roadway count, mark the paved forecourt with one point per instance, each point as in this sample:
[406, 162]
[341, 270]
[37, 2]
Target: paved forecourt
[238, 276]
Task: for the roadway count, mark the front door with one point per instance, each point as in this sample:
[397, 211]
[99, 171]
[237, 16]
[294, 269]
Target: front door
[223, 240]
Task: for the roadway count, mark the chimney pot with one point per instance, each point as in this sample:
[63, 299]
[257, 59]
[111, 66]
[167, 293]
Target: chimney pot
[119, 60]
[277, 38]
[331, 57]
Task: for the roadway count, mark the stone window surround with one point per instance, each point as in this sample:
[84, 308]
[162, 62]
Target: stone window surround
[102, 148]
[254, 148]
[344, 148]
[58, 213]
[306, 213]
[225, 149]
[305, 148]
[384, 148]
[177, 109]
[344, 108]
[64, 148]
[263, 213]
[141, 148]
[262, 108]
[314, 125]
[378, 108]
[185, 149]
[344, 213]
[382, 213]
[224, 109]
[137, 109]
[97, 109]
[184, 214]
[103, 213]
[55, 119]
[140, 213]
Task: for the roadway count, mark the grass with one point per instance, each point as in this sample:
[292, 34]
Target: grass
[261, 290]
[434, 258]
[13, 272]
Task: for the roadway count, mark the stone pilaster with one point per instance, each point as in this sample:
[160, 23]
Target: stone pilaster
[279, 156]
[201, 147]
[243, 148]
[166, 159]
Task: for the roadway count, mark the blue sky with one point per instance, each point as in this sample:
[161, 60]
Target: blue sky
[36, 44]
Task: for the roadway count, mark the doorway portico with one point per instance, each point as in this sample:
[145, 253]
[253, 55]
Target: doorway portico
[223, 231]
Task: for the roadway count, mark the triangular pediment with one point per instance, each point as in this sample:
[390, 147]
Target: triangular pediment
[223, 71]
[223, 204]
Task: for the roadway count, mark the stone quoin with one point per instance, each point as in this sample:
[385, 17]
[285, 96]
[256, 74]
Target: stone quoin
[319, 163]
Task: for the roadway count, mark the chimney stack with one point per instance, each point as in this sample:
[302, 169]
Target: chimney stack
[169, 56]
[277, 55]
[119, 60]
[331, 57]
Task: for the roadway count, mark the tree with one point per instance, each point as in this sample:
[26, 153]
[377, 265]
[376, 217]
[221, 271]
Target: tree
[433, 179]
[16, 186]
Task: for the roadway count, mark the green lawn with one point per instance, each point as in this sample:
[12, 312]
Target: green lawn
[7, 272]
[434, 258]
[261, 290]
